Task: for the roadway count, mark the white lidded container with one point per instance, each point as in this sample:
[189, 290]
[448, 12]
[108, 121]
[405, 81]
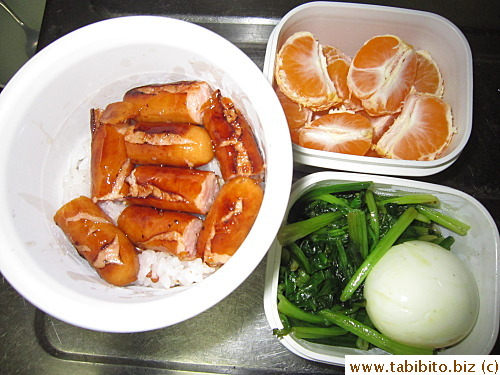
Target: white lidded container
[44, 139]
[347, 26]
[479, 250]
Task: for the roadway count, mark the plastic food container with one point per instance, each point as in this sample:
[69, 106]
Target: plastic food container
[347, 26]
[479, 250]
[45, 110]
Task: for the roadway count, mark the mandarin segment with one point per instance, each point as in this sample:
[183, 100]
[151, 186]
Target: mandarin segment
[382, 73]
[296, 114]
[301, 73]
[428, 77]
[380, 124]
[372, 153]
[421, 132]
[397, 89]
[338, 64]
[343, 132]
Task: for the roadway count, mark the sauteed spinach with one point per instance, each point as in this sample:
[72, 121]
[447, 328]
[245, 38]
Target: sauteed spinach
[334, 235]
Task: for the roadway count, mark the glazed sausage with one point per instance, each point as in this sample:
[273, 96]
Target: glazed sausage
[174, 102]
[99, 241]
[229, 220]
[119, 113]
[173, 144]
[235, 146]
[110, 164]
[171, 188]
[168, 231]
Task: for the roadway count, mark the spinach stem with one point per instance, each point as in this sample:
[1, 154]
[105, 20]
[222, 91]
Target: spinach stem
[411, 199]
[376, 254]
[445, 220]
[373, 213]
[290, 310]
[334, 200]
[356, 221]
[301, 257]
[291, 232]
[317, 332]
[372, 336]
[334, 188]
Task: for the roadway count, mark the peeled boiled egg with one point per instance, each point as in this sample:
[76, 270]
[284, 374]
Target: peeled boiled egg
[422, 295]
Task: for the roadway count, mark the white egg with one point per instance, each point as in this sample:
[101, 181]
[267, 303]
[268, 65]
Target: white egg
[422, 295]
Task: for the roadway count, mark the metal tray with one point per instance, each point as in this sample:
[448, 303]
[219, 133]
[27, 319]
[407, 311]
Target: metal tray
[234, 336]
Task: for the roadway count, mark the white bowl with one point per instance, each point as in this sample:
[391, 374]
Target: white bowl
[479, 250]
[45, 115]
[347, 26]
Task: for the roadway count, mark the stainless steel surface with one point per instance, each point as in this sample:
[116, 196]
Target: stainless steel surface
[31, 34]
[234, 337]
[14, 44]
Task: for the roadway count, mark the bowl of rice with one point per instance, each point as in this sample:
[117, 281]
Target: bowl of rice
[46, 163]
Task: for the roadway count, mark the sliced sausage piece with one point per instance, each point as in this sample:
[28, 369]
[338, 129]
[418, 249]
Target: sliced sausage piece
[229, 220]
[119, 113]
[174, 144]
[110, 164]
[99, 241]
[172, 232]
[235, 146]
[171, 188]
[173, 102]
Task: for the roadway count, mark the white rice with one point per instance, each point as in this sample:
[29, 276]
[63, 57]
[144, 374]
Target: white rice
[162, 270]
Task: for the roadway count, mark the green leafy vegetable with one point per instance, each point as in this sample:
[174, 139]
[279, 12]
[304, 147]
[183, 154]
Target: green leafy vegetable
[411, 199]
[292, 232]
[334, 189]
[445, 220]
[371, 335]
[333, 237]
[373, 214]
[382, 247]
[290, 310]
[356, 220]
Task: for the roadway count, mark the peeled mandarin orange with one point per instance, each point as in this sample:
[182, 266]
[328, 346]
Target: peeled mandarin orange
[296, 115]
[428, 77]
[343, 132]
[422, 130]
[372, 153]
[301, 73]
[337, 64]
[380, 124]
[382, 73]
